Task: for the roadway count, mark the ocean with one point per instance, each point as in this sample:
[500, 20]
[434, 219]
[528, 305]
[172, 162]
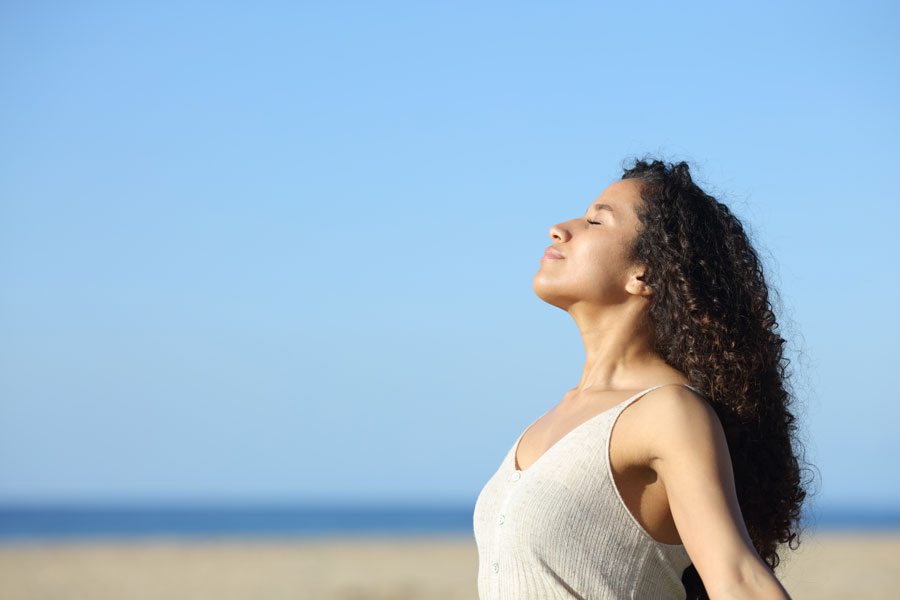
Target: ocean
[18, 522]
[295, 520]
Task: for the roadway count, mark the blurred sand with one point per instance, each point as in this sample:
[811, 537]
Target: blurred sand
[832, 565]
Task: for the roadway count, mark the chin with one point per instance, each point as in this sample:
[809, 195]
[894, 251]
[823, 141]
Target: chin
[545, 292]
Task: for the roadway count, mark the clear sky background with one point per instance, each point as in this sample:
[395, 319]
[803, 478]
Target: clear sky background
[285, 252]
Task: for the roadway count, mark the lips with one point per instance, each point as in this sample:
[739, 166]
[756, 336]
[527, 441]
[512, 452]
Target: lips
[552, 254]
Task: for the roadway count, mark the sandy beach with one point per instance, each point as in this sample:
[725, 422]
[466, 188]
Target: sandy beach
[828, 565]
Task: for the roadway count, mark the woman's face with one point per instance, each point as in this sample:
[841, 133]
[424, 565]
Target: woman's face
[594, 267]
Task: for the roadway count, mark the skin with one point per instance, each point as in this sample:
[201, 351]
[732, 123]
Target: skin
[668, 451]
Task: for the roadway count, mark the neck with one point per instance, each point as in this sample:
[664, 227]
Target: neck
[618, 347]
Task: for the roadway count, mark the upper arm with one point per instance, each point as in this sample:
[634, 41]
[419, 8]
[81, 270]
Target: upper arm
[689, 453]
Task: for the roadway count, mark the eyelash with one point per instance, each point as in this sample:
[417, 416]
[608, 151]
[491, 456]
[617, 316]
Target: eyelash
[594, 222]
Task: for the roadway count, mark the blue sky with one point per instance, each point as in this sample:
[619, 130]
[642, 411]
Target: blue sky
[286, 252]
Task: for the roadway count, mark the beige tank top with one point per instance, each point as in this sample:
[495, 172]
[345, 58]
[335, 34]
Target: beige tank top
[560, 528]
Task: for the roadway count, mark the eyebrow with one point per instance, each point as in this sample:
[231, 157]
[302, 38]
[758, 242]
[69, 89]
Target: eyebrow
[601, 206]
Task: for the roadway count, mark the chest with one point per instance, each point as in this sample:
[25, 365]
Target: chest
[639, 488]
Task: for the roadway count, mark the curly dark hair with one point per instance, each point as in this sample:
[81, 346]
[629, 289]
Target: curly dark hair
[712, 320]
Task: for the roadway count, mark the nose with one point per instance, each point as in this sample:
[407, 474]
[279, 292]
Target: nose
[559, 232]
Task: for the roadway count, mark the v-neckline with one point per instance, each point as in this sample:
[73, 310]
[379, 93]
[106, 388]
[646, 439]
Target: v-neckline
[573, 430]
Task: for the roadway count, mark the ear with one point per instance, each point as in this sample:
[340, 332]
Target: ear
[637, 283]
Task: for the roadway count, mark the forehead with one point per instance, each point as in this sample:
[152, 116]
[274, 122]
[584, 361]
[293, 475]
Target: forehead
[623, 196]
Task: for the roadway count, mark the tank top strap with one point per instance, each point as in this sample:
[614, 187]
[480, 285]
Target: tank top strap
[627, 402]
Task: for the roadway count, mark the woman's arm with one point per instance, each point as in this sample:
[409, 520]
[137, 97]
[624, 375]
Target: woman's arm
[689, 452]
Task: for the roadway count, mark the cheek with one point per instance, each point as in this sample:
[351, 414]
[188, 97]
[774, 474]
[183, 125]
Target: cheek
[603, 260]
[602, 271]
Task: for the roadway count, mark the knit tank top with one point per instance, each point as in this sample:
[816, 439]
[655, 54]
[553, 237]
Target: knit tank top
[560, 529]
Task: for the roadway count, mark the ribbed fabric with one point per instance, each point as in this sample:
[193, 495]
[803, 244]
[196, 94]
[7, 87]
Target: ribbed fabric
[559, 529]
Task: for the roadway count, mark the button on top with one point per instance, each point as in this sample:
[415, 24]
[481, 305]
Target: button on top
[516, 476]
[495, 567]
[500, 520]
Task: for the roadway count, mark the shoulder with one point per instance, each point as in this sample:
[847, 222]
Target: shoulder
[676, 399]
[690, 455]
[676, 419]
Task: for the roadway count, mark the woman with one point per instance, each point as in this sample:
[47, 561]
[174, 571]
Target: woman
[688, 492]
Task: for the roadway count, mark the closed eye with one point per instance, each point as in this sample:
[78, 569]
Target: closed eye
[594, 222]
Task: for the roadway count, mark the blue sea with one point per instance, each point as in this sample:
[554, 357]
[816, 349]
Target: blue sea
[295, 520]
[21, 522]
